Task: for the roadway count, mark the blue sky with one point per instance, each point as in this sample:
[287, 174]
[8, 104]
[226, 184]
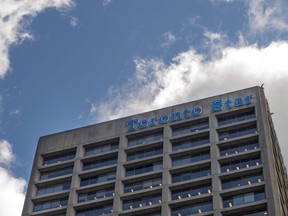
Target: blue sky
[66, 64]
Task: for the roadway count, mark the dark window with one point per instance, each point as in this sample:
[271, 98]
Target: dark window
[239, 147]
[193, 209]
[98, 211]
[191, 158]
[58, 158]
[53, 188]
[50, 204]
[190, 143]
[143, 169]
[191, 191]
[145, 139]
[101, 149]
[100, 163]
[237, 132]
[243, 180]
[94, 195]
[137, 186]
[193, 174]
[262, 212]
[141, 202]
[240, 164]
[194, 127]
[98, 179]
[238, 117]
[144, 153]
[56, 173]
[243, 198]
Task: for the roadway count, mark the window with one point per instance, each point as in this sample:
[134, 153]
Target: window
[240, 164]
[144, 153]
[237, 132]
[191, 158]
[254, 213]
[190, 143]
[58, 158]
[137, 186]
[141, 202]
[193, 174]
[243, 180]
[191, 191]
[56, 173]
[94, 195]
[193, 127]
[243, 198]
[98, 179]
[101, 149]
[238, 117]
[143, 169]
[97, 211]
[145, 139]
[239, 147]
[192, 209]
[53, 188]
[99, 163]
[50, 204]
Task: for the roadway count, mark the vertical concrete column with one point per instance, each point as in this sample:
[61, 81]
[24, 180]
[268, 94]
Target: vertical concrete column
[120, 174]
[215, 171]
[32, 189]
[166, 177]
[75, 182]
[267, 157]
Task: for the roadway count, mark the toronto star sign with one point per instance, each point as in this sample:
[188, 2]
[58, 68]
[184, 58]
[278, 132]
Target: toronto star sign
[216, 106]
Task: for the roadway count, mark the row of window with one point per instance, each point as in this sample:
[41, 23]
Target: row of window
[146, 168]
[193, 127]
[176, 161]
[154, 200]
[152, 183]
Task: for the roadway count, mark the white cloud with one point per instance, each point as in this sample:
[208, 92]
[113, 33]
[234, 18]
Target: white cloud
[169, 39]
[74, 21]
[189, 76]
[16, 112]
[6, 155]
[267, 15]
[106, 2]
[12, 193]
[212, 36]
[14, 18]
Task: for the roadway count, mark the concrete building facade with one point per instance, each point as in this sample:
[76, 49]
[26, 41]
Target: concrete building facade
[217, 156]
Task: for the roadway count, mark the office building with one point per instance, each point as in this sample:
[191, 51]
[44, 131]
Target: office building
[217, 156]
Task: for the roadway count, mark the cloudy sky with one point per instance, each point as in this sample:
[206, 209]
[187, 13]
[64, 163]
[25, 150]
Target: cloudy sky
[66, 64]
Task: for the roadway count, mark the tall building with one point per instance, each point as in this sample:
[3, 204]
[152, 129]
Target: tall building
[217, 156]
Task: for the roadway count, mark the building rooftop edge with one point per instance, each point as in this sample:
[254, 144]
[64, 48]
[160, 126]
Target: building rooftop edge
[141, 113]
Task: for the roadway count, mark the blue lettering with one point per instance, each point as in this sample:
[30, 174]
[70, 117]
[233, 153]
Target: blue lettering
[143, 124]
[196, 111]
[131, 124]
[228, 103]
[163, 119]
[248, 99]
[186, 113]
[217, 105]
[238, 102]
[176, 116]
[153, 121]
